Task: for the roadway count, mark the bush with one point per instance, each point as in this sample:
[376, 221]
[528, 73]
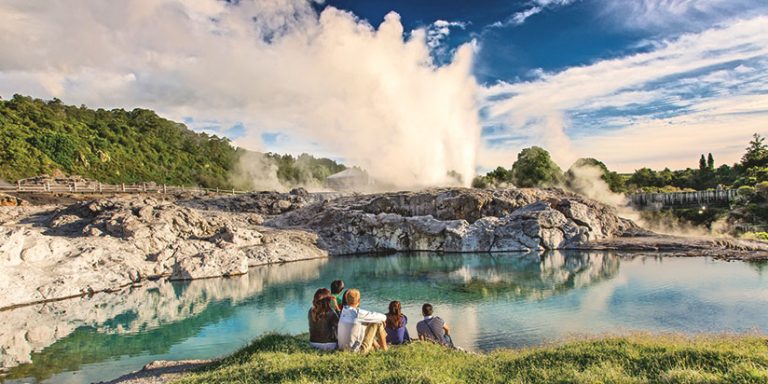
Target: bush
[759, 236]
[746, 192]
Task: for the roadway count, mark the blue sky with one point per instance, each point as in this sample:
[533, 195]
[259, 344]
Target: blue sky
[414, 88]
[518, 41]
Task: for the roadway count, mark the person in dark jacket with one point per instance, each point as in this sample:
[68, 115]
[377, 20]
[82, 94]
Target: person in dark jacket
[323, 321]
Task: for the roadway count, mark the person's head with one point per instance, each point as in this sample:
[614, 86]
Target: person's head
[320, 294]
[337, 286]
[394, 316]
[395, 308]
[426, 309]
[352, 297]
[322, 308]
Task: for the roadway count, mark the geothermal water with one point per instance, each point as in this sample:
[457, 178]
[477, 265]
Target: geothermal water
[489, 300]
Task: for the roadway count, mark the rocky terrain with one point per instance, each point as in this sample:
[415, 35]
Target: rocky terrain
[457, 220]
[51, 252]
[102, 245]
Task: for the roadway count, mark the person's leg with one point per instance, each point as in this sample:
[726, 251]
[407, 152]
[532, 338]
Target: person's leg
[375, 338]
[382, 344]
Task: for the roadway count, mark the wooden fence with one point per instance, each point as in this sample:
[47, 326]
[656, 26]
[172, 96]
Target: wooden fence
[683, 199]
[92, 188]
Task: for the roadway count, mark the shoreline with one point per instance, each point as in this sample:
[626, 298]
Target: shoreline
[744, 256]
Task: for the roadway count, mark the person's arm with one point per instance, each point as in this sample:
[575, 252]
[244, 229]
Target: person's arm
[368, 317]
[446, 328]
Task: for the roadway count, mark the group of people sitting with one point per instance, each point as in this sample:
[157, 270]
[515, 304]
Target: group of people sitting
[336, 321]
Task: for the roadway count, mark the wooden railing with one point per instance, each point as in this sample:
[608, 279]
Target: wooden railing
[91, 187]
[683, 199]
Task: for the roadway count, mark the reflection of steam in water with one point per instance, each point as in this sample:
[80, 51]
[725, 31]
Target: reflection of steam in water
[532, 275]
[28, 330]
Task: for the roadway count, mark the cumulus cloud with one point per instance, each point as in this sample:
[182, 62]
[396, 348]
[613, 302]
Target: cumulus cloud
[331, 80]
[699, 92]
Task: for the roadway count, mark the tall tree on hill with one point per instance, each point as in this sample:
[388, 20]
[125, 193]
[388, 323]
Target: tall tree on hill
[534, 168]
[710, 162]
[757, 153]
[702, 163]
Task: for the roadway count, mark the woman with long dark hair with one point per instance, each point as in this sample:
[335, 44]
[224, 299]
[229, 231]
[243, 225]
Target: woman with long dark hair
[395, 325]
[323, 321]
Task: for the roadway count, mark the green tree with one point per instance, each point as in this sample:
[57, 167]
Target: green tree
[702, 163]
[500, 175]
[646, 177]
[710, 162]
[757, 153]
[534, 168]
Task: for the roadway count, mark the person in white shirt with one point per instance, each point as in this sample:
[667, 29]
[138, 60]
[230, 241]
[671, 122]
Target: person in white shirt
[360, 330]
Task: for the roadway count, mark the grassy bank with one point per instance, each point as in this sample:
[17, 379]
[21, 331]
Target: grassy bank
[633, 359]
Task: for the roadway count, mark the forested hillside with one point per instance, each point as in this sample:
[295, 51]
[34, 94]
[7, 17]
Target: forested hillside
[119, 146]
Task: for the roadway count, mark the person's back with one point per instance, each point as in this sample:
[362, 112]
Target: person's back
[432, 328]
[357, 327]
[322, 328]
[395, 326]
[323, 321]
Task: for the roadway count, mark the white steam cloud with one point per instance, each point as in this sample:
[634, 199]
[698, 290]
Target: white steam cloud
[366, 94]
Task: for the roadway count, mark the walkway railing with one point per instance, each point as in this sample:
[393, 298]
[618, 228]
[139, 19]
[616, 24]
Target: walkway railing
[91, 187]
[683, 199]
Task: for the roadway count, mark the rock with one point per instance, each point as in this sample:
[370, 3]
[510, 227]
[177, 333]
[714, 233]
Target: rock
[102, 245]
[283, 205]
[455, 220]
[12, 201]
[220, 262]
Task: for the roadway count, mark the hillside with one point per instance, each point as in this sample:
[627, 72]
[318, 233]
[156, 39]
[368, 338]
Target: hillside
[119, 146]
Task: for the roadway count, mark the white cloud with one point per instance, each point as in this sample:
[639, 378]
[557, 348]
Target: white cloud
[713, 82]
[535, 7]
[330, 80]
[671, 14]
[437, 34]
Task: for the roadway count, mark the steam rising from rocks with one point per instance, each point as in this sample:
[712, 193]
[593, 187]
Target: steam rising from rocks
[331, 82]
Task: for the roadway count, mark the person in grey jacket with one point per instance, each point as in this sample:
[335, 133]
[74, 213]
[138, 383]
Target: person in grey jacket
[433, 328]
[360, 330]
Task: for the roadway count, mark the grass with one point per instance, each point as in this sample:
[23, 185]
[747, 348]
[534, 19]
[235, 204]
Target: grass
[630, 359]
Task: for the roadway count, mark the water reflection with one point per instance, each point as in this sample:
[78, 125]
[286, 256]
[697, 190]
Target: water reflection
[490, 301]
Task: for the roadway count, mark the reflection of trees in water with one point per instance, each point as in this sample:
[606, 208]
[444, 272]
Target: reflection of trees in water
[454, 278]
[761, 266]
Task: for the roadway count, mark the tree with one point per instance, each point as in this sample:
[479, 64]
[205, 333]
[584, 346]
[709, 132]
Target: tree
[500, 175]
[702, 163]
[757, 153]
[614, 180]
[534, 168]
[710, 162]
[646, 177]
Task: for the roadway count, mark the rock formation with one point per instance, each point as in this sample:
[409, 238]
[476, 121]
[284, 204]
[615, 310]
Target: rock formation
[457, 220]
[106, 244]
[53, 252]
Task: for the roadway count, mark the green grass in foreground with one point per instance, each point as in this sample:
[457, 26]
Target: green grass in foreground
[633, 359]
